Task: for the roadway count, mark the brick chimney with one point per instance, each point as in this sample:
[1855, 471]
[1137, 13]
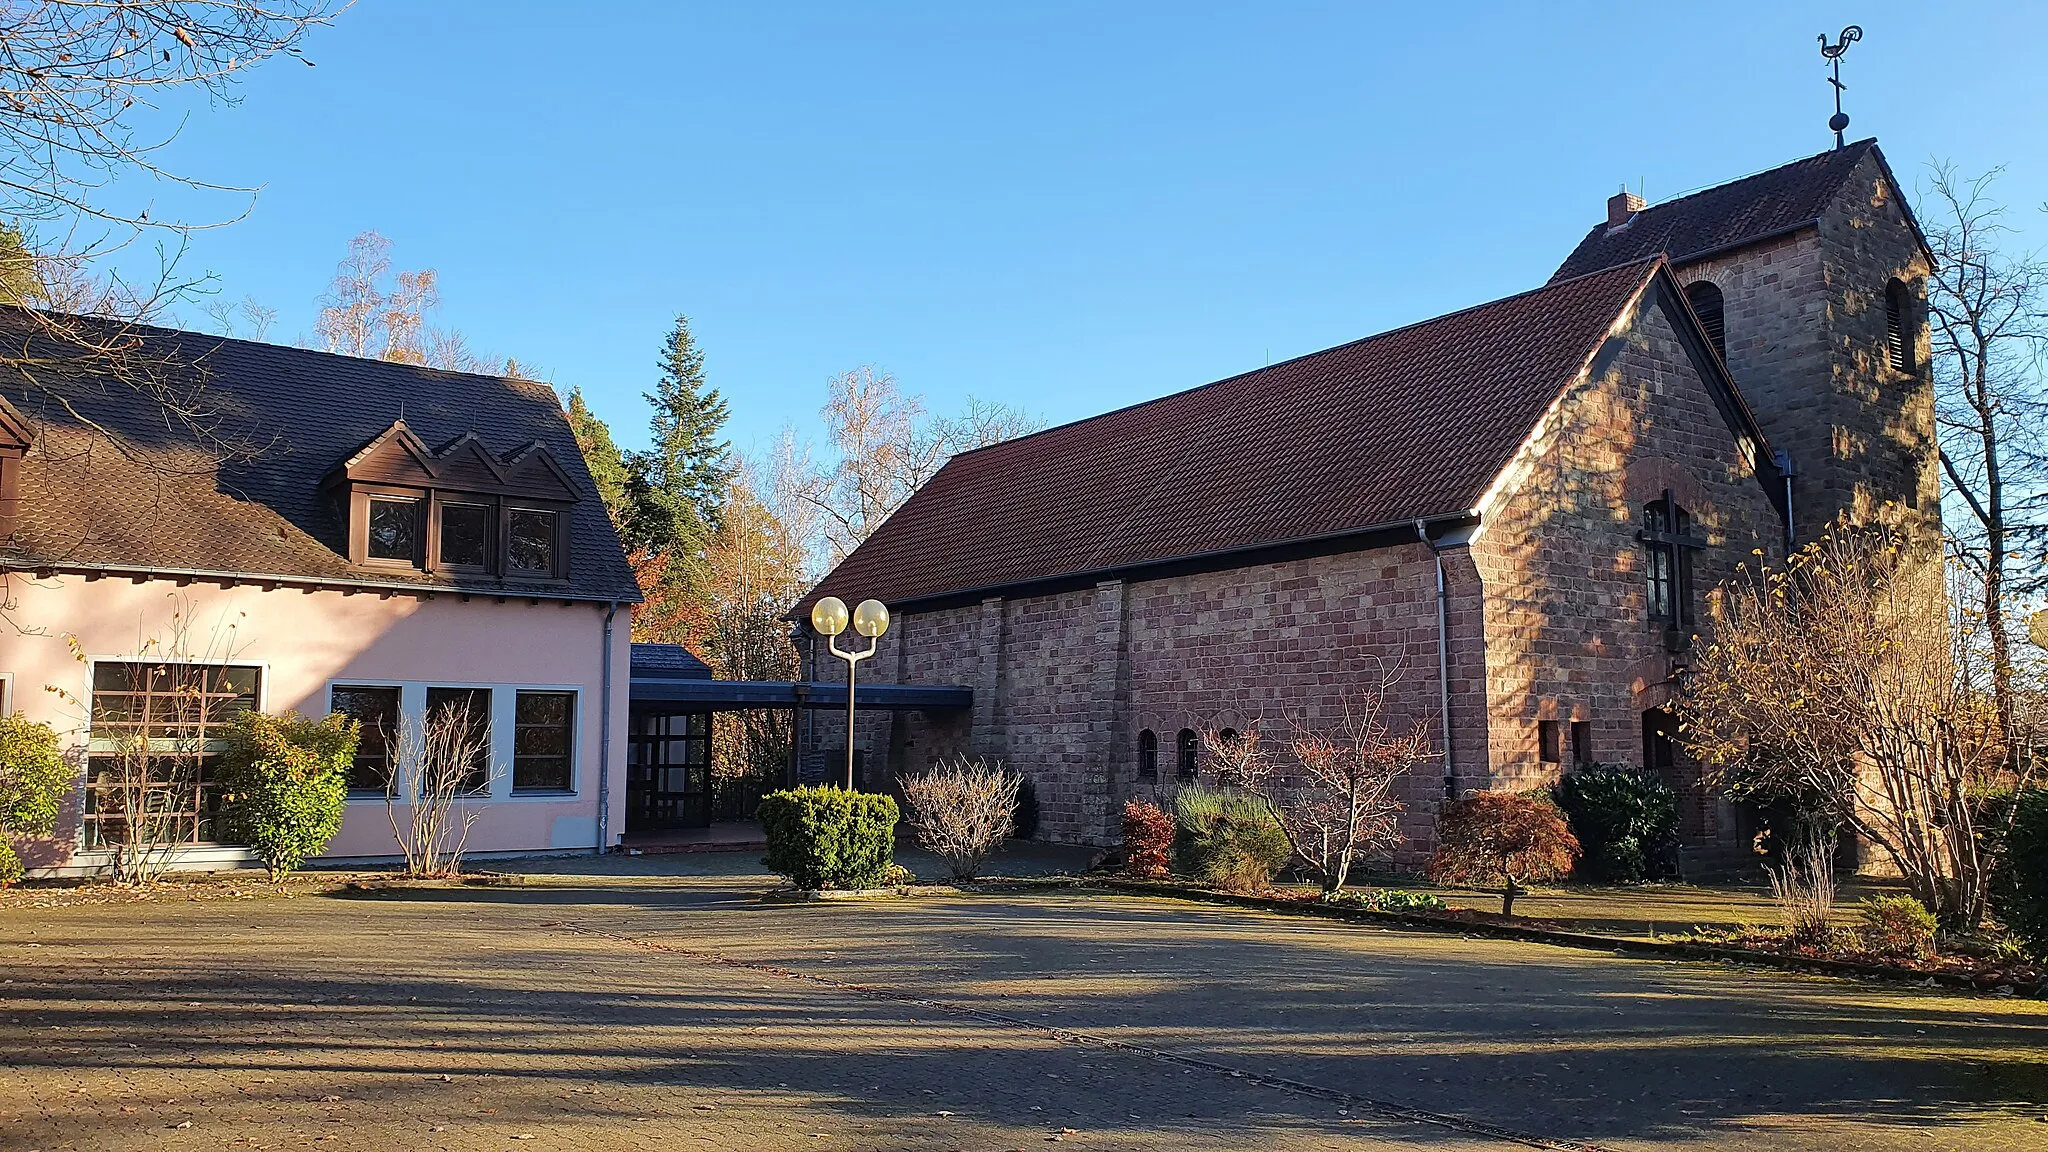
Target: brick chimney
[1622, 206]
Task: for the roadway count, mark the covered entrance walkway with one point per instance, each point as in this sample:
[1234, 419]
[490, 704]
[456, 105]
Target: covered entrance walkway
[672, 732]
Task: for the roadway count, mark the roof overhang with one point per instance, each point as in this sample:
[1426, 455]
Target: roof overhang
[716, 695]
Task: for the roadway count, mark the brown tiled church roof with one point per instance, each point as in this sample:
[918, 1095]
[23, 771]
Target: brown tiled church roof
[1412, 423]
[1726, 216]
[146, 491]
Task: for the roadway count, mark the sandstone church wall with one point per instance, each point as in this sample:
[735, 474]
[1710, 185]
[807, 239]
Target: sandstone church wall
[1568, 628]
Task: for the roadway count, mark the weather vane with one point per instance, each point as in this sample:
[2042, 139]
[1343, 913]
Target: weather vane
[1833, 53]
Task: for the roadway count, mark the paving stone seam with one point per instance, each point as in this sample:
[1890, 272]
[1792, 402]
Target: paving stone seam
[1383, 1108]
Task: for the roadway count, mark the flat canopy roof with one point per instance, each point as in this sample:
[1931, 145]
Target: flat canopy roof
[715, 694]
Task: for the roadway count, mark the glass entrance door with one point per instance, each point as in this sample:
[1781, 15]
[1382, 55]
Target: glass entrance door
[668, 771]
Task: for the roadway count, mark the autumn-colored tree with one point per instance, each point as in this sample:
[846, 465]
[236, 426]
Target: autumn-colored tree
[1828, 678]
[369, 310]
[1505, 838]
[753, 573]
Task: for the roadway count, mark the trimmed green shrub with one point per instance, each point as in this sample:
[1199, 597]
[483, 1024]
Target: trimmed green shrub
[34, 779]
[285, 779]
[1024, 825]
[2019, 890]
[1897, 926]
[1229, 839]
[827, 837]
[1626, 822]
[1148, 839]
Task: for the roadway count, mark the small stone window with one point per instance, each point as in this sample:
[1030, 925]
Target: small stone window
[1900, 331]
[1582, 743]
[1668, 544]
[1660, 741]
[1148, 755]
[1548, 746]
[394, 530]
[1185, 746]
[1705, 299]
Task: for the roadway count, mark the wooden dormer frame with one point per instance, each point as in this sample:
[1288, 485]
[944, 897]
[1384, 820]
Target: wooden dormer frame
[397, 465]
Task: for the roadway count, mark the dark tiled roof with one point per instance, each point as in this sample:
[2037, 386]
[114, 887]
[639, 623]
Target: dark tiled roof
[1726, 216]
[149, 494]
[667, 662]
[1412, 423]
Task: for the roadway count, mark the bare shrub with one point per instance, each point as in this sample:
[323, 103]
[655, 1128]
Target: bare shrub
[1803, 882]
[440, 762]
[962, 811]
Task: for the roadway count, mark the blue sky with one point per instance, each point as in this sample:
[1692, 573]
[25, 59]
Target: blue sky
[1064, 206]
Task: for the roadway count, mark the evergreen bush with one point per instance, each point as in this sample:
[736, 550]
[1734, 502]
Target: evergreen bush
[1229, 839]
[285, 780]
[34, 779]
[827, 837]
[1626, 822]
[1898, 926]
[2019, 889]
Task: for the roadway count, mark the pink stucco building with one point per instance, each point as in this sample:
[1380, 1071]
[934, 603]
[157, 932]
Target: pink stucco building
[317, 533]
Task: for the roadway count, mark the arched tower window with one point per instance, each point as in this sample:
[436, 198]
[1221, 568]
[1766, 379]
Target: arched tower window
[1148, 755]
[1900, 331]
[1705, 299]
[1185, 745]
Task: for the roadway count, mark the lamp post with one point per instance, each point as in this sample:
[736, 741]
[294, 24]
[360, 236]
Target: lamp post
[871, 619]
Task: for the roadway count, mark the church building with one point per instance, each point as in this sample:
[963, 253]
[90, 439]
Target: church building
[1519, 511]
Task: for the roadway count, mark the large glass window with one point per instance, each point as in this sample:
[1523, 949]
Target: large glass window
[1668, 542]
[465, 535]
[154, 739]
[530, 542]
[376, 709]
[469, 708]
[394, 529]
[542, 741]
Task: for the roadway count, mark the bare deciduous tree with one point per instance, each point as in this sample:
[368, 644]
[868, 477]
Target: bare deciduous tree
[436, 768]
[1336, 800]
[369, 310]
[886, 445]
[1827, 678]
[962, 811]
[1988, 318]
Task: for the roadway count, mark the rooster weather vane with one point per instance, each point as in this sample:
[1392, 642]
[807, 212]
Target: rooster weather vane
[1833, 54]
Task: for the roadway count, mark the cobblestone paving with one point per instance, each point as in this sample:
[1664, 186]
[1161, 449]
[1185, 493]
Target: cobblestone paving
[655, 1010]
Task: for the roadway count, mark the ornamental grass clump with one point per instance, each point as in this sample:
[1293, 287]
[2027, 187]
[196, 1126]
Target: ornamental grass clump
[827, 837]
[1229, 839]
[34, 779]
[1803, 882]
[285, 782]
[1504, 838]
[962, 811]
[1626, 822]
[1148, 839]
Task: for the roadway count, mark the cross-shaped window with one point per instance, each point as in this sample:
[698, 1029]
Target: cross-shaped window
[1667, 538]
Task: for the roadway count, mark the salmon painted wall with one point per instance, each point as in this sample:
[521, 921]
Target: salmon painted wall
[304, 642]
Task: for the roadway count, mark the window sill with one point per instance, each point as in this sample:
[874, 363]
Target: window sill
[542, 794]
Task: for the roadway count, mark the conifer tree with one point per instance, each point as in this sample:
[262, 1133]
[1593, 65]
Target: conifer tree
[678, 485]
[606, 463]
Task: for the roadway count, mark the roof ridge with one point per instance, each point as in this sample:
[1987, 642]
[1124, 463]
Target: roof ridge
[1704, 189]
[1395, 331]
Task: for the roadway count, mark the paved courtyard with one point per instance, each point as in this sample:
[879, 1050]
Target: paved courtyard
[658, 1004]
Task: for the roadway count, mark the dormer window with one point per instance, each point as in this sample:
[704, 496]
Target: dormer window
[459, 513]
[394, 529]
[530, 549]
[465, 535]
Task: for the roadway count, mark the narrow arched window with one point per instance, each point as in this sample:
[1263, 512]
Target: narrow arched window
[1148, 755]
[1668, 543]
[1705, 299]
[1185, 745]
[1900, 331]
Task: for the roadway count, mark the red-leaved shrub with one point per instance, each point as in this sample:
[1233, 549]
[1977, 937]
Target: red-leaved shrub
[1506, 838]
[1148, 838]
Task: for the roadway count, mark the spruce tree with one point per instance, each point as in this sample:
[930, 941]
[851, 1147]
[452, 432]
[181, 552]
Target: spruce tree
[606, 463]
[678, 485]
